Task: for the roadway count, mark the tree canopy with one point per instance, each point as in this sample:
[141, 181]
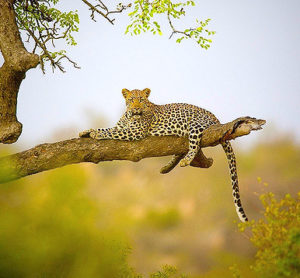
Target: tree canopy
[45, 24]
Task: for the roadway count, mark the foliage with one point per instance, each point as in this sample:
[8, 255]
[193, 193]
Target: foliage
[143, 20]
[277, 237]
[235, 271]
[46, 24]
[167, 272]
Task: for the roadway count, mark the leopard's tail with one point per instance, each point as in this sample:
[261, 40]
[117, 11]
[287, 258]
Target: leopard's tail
[234, 180]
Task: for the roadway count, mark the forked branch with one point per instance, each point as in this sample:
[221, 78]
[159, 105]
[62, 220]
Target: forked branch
[49, 156]
[102, 9]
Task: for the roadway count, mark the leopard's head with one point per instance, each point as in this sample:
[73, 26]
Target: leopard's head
[137, 102]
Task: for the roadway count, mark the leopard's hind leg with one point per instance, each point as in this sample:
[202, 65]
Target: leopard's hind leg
[171, 164]
[195, 135]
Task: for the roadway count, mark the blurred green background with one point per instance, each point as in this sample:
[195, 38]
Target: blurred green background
[121, 219]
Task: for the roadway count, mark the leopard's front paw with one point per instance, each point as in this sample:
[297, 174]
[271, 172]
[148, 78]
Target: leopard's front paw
[88, 133]
[184, 162]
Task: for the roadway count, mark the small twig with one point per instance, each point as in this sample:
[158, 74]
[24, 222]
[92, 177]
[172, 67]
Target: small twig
[41, 45]
[174, 31]
[93, 8]
[105, 13]
[71, 61]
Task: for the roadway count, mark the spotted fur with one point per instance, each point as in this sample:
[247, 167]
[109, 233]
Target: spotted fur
[144, 118]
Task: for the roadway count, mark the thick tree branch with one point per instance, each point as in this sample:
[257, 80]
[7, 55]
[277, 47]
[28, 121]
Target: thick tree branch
[17, 61]
[49, 156]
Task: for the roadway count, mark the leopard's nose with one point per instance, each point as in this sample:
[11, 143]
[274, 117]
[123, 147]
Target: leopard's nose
[137, 111]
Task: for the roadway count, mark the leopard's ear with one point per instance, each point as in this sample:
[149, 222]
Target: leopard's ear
[147, 92]
[125, 92]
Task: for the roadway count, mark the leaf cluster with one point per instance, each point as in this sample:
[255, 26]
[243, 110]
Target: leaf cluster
[45, 25]
[197, 34]
[144, 19]
[277, 237]
[168, 272]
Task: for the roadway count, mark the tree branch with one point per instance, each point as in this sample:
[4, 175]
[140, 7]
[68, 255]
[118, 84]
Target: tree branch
[49, 156]
[105, 11]
[45, 24]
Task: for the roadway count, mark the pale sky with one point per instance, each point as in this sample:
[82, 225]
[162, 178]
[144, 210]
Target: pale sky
[252, 69]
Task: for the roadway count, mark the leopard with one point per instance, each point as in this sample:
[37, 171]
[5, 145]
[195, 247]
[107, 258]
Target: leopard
[143, 118]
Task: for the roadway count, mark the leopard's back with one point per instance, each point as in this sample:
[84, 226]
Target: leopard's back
[179, 119]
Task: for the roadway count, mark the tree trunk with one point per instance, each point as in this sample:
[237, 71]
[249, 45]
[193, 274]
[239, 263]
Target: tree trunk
[17, 61]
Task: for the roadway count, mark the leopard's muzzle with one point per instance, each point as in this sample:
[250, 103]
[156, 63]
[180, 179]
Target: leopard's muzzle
[135, 112]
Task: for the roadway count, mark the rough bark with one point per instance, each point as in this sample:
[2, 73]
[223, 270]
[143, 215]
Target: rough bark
[49, 156]
[17, 61]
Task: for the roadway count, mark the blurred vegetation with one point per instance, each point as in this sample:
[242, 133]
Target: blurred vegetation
[120, 219]
[49, 229]
[277, 237]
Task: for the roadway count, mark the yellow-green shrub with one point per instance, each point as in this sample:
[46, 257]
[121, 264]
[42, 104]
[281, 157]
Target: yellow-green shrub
[277, 237]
